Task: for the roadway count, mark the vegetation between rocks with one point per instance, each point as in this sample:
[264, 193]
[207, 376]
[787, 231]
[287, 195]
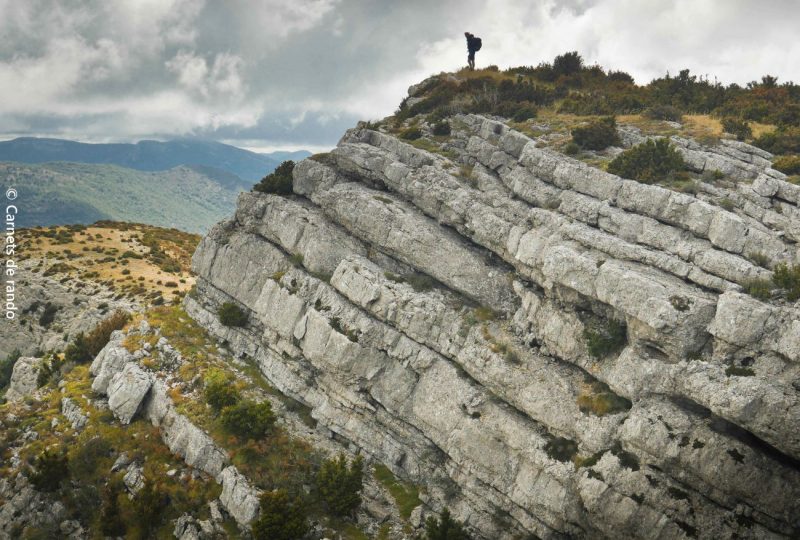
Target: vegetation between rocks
[649, 162]
[232, 315]
[278, 181]
[605, 338]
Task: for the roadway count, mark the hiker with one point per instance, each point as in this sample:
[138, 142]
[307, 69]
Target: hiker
[473, 46]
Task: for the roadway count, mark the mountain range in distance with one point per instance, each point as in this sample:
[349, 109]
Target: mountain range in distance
[188, 184]
[148, 155]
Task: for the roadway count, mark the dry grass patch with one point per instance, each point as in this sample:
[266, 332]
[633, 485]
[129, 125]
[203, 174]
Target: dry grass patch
[119, 254]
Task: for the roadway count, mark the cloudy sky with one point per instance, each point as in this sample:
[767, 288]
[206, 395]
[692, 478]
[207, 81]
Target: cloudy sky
[295, 73]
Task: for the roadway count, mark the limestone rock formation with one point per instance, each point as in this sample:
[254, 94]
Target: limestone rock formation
[23, 378]
[133, 390]
[127, 390]
[73, 413]
[547, 348]
[77, 306]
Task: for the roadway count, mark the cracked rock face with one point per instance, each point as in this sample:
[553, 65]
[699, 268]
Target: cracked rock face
[438, 321]
[23, 378]
[127, 390]
[78, 307]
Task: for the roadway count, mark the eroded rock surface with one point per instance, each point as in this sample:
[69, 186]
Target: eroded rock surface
[23, 378]
[437, 319]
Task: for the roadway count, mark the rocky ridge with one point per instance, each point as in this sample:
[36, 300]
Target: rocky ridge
[432, 310]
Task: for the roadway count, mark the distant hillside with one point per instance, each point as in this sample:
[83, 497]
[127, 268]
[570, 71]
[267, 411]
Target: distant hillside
[149, 155]
[187, 198]
[283, 155]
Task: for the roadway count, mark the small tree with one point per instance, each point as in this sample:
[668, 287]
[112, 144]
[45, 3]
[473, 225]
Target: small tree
[84, 348]
[101, 333]
[340, 485]
[232, 315]
[282, 517]
[444, 528]
[220, 391]
[278, 181]
[49, 471]
[568, 63]
[248, 419]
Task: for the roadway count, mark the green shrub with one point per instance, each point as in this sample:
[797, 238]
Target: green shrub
[88, 456]
[664, 112]
[759, 258]
[525, 111]
[561, 449]
[787, 278]
[515, 110]
[78, 350]
[282, 517]
[727, 204]
[48, 315]
[101, 333]
[219, 390]
[278, 181]
[597, 135]
[600, 401]
[84, 348]
[442, 128]
[444, 528]
[49, 369]
[50, 470]
[584, 105]
[231, 315]
[572, 149]
[738, 128]
[340, 486]
[787, 164]
[785, 140]
[411, 134]
[737, 371]
[296, 259]
[567, 63]
[603, 340]
[248, 419]
[149, 504]
[758, 288]
[111, 523]
[7, 367]
[651, 161]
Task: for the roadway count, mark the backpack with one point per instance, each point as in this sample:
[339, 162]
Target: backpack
[477, 44]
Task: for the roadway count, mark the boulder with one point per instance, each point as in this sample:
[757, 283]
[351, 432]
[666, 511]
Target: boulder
[126, 391]
[239, 498]
[24, 377]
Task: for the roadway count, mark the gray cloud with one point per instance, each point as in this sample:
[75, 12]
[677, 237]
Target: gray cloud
[279, 72]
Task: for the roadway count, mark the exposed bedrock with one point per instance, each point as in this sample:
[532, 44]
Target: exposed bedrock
[436, 314]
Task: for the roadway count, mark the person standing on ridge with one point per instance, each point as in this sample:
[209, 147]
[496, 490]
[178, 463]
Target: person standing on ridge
[473, 45]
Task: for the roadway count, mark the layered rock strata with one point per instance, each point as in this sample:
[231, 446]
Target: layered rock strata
[434, 311]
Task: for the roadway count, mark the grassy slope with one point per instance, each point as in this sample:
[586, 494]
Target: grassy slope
[58, 193]
[119, 255]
